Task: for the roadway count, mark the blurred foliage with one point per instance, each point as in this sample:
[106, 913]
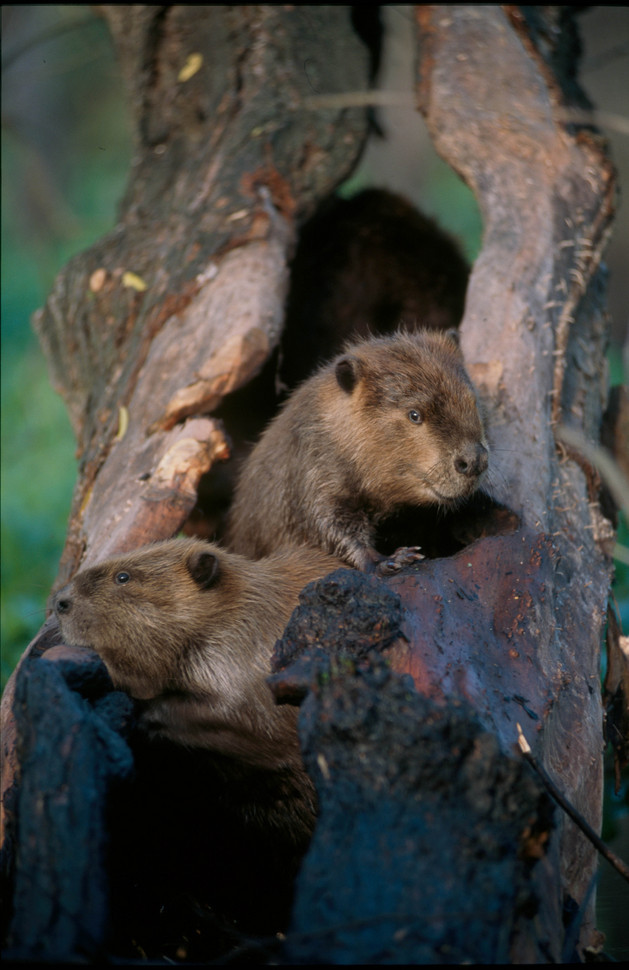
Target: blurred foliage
[65, 156]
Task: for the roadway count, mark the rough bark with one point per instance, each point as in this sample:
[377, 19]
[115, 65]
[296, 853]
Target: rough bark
[534, 336]
[228, 163]
[226, 160]
[413, 788]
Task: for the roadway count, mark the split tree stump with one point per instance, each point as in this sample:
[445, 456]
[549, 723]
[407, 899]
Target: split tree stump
[149, 331]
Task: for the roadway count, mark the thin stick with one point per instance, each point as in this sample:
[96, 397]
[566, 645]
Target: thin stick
[378, 98]
[601, 460]
[587, 829]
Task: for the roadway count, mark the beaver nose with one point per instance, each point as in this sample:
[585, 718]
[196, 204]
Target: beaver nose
[472, 461]
[62, 604]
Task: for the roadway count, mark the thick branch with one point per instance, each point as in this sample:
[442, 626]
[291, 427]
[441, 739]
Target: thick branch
[183, 301]
[533, 326]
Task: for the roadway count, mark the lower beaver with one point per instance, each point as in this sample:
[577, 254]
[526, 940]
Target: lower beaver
[188, 629]
[391, 422]
[221, 808]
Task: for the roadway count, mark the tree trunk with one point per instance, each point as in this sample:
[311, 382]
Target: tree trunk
[226, 161]
[497, 103]
[149, 332]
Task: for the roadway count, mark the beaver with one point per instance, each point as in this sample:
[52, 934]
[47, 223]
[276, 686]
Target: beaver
[188, 629]
[362, 266]
[221, 809]
[391, 422]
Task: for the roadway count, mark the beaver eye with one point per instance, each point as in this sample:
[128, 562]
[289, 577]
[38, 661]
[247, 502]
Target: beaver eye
[122, 578]
[414, 416]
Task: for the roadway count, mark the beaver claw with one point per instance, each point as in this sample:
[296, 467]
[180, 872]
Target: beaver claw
[404, 556]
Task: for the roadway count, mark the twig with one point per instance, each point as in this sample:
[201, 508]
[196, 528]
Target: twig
[578, 819]
[574, 927]
[601, 119]
[379, 98]
[361, 99]
[601, 460]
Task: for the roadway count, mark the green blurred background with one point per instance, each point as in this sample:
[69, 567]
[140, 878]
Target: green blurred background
[65, 154]
[66, 151]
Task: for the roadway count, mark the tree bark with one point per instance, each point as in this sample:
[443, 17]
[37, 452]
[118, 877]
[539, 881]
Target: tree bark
[182, 303]
[226, 161]
[534, 336]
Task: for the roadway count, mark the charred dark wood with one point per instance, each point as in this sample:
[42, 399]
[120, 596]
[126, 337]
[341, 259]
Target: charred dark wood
[70, 729]
[504, 675]
[429, 835]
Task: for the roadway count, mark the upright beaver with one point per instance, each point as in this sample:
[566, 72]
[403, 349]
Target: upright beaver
[188, 629]
[363, 267]
[391, 422]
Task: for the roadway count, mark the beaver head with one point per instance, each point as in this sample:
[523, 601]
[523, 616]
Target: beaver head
[408, 421]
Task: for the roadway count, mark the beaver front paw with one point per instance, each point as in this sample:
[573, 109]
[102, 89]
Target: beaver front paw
[404, 556]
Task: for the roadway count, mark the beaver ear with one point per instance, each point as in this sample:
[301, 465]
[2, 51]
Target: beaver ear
[454, 336]
[204, 568]
[347, 372]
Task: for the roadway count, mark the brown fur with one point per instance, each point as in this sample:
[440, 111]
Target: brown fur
[364, 265]
[344, 453]
[191, 632]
